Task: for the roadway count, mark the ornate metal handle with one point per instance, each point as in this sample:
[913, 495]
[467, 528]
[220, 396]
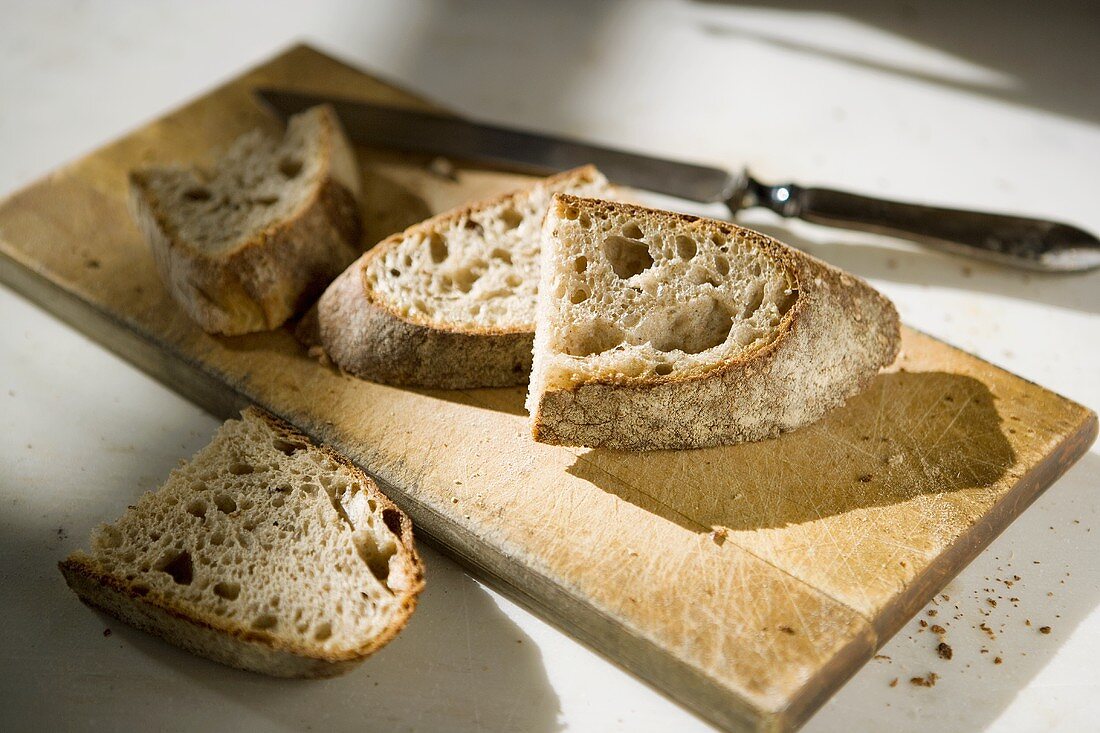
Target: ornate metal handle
[1034, 244]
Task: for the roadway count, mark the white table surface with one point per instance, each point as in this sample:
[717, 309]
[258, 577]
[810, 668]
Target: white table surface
[995, 108]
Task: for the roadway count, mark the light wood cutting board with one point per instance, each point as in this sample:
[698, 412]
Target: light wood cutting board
[828, 539]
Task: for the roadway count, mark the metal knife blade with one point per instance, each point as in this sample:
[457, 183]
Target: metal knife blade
[388, 127]
[1029, 243]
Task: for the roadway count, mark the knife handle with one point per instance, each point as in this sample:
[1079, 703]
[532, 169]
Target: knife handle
[1033, 244]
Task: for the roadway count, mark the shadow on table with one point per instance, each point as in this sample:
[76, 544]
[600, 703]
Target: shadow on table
[1029, 59]
[461, 664]
[909, 433]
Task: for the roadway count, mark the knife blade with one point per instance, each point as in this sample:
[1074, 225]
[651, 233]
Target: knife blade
[1034, 244]
[401, 129]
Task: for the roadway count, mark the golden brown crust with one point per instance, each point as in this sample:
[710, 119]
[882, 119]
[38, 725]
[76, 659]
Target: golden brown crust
[829, 346]
[268, 278]
[372, 342]
[220, 639]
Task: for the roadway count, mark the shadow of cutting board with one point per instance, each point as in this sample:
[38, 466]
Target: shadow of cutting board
[747, 583]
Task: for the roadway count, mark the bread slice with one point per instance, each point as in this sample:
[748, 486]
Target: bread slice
[660, 330]
[449, 302]
[243, 246]
[263, 552]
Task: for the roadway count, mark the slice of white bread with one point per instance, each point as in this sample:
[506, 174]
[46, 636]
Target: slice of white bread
[449, 302]
[659, 330]
[263, 552]
[243, 246]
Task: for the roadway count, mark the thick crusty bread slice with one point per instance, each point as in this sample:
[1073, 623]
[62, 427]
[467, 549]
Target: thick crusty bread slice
[243, 246]
[263, 552]
[449, 302]
[659, 330]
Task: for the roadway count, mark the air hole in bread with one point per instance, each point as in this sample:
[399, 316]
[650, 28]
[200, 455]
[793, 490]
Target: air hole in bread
[197, 508]
[395, 272]
[511, 218]
[787, 300]
[578, 296]
[264, 621]
[718, 239]
[585, 220]
[392, 519]
[464, 279]
[217, 538]
[685, 247]
[225, 503]
[228, 591]
[571, 213]
[377, 558]
[198, 194]
[266, 200]
[179, 566]
[580, 264]
[287, 447]
[323, 632]
[698, 326]
[594, 337]
[437, 247]
[290, 167]
[628, 257]
[722, 265]
[631, 230]
[663, 369]
[240, 468]
[513, 280]
[502, 254]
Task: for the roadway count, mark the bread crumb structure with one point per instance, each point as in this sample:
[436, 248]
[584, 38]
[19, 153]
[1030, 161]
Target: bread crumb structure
[263, 552]
[244, 245]
[660, 330]
[473, 268]
[450, 302]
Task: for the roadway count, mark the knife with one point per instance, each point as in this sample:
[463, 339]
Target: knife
[1033, 244]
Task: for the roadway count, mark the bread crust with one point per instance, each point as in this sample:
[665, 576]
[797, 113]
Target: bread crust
[830, 345]
[370, 341]
[265, 280]
[368, 338]
[215, 637]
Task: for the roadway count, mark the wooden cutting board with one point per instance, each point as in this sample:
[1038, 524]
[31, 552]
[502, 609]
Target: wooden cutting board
[747, 583]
